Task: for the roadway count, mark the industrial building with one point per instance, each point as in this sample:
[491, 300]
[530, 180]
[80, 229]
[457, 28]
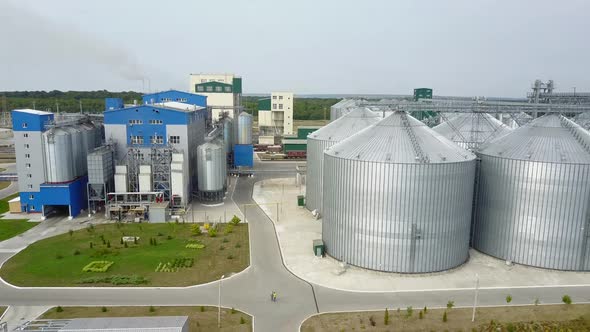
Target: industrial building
[342, 107]
[323, 138]
[397, 198]
[534, 195]
[275, 114]
[212, 171]
[223, 92]
[111, 324]
[51, 162]
[470, 130]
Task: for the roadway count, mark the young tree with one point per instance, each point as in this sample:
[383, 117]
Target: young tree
[450, 304]
[386, 317]
[445, 317]
[566, 299]
[508, 298]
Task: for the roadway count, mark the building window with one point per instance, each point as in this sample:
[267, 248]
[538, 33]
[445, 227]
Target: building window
[30, 186]
[27, 146]
[200, 88]
[135, 122]
[280, 106]
[227, 89]
[25, 135]
[27, 155]
[29, 176]
[174, 140]
[274, 97]
[25, 125]
[136, 139]
[32, 207]
[28, 165]
[156, 122]
[209, 89]
[31, 196]
[157, 139]
[218, 89]
[280, 97]
[203, 80]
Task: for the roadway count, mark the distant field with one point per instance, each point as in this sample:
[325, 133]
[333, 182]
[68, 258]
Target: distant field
[574, 317]
[59, 260]
[205, 320]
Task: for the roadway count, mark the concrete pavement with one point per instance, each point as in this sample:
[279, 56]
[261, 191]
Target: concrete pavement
[249, 291]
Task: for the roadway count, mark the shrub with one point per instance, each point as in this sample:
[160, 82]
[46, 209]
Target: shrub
[195, 246]
[121, 240]
[202, 309]
[97, 266]
[125, 245]
[103, 309]
[230, 256]
[238, 245]
[207, 226]
[71, 232]
[445, 317]
[228, 229]
[233, 311]
[76, 252]
[409, 311]
[425, 309]
[169, 237]
[386, 317]
[510, 327]
[242, 320]
[508, 299]
[225, 240]
[152, 309]
[372, 321]
[91, 245]
[450, 304]
[108, 244]
[135, 238]
[566, 299]
[59, 256]
[160, 234]
[420, 314]
[59, 309]
[221, 248]
[537, 301]
[196, 229]
[235, 220]
[115, 280]
[212, 232]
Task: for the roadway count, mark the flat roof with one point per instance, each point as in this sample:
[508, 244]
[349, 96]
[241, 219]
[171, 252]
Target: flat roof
[31, 111]
[180, 106]
[131, 323]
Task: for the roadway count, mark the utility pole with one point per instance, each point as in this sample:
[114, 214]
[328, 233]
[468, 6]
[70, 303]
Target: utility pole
[219, 307]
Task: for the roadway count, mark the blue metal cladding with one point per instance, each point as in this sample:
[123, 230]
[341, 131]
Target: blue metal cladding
[534, 213]
[72, 194]
[113, 104]
[175, 95]
[402, 217]
[24, 120]
[243, 155]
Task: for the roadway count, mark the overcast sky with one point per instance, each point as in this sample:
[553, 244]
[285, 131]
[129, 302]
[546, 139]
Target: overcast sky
[457, 47]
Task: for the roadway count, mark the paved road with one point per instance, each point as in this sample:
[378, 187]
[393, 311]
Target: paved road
[250, 290]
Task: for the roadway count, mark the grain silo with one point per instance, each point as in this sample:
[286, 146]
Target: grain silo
[211, 163]
[323, 138]
[583, 119]
[342, 107]
[244, 129]
[397, 198]
[534, 194]
[57, 152]
[470, 130]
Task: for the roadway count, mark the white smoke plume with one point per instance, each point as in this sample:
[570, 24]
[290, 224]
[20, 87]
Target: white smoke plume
[26, 36]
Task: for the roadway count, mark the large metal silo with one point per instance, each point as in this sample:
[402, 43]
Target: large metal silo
[342, 107]
[78, 155]
[470, 130]
[211, 164]
[323, 138]
[228, 134]
[57, 153]
[397, 198]
[244, 128]
[534, 196]
[583, 119]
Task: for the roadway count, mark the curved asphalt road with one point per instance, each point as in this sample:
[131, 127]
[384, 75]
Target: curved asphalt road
[250, 290]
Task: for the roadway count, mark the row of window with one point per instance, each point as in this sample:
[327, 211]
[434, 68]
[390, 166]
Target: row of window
[280, 97]
[135, 122]
[210, 88]
[157, 139]
[139, 122]
[204, 80]
[182, 100]
[274, 106]
[156, 122]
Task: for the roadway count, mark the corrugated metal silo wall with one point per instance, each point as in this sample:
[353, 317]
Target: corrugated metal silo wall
[315, 172]
[397, 217]
[534, 213]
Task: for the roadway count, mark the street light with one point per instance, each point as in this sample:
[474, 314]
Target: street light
[219, 306]
[475, 298]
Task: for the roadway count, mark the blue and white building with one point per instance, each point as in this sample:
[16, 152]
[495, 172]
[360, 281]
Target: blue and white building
[51, 160]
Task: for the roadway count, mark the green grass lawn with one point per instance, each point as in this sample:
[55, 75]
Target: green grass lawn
[4, 203]
[58, 261]
[10, 228]
[199, 318]
[4, 184]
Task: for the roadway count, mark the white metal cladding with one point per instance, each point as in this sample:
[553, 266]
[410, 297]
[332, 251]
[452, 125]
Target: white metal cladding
[57, 152]
[323, 138]
[78, 155]
[583, 119]
[212, 167]
[385, 209]
[470, 130]
[534, 196]
[244, 128]
[227, 134]
[342, 107]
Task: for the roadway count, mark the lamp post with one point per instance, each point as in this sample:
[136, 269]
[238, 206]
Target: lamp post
[219, 306]
[475, 298]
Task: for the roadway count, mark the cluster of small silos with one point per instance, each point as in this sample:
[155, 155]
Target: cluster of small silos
[398, 196]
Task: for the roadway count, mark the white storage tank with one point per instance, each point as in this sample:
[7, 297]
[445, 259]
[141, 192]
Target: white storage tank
[244, 128]
[212, 173]
[321, 139]
[121, 179]
[179, 178]
[59, 159]
[145, 178]
[533, 203]
[78, 151]
[228, 134]
[397, 198]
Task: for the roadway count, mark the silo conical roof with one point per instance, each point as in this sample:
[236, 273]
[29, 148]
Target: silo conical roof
[549, 138]
[470, 130]
[583, 119]
[346, 125]
[400, 138]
